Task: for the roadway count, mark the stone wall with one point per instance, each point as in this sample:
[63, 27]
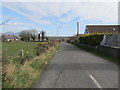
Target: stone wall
[110, 51]
[115, 52]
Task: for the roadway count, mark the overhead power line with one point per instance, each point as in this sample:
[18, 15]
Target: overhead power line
[4, 22]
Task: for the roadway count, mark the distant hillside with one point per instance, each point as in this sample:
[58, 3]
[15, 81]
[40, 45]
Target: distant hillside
[11, 33]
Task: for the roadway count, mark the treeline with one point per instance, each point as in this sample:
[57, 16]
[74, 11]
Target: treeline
[27, 35]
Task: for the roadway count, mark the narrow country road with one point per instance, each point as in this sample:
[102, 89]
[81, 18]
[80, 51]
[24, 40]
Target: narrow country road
[72, 67]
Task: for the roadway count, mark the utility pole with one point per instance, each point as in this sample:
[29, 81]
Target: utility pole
[116, 34]
[77, 28]
[57, 30]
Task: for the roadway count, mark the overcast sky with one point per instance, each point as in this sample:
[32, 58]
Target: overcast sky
[49, 16]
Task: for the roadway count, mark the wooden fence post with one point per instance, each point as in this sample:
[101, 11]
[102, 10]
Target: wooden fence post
[22, 57]
[21, 54]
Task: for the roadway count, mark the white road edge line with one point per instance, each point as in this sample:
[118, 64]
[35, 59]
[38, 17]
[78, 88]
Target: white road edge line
[98, 85]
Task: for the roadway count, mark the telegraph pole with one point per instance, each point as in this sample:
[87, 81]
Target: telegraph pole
[57, 30]
[77, 28]
[116, 34]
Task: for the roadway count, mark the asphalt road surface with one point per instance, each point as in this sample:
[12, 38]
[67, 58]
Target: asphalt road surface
[72, 67]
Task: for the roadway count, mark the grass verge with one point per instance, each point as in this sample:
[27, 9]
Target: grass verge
[26, 76]
[95, 52]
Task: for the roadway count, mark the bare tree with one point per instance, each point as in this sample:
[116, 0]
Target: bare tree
[39, 36]
[27, 34]
[33, 34]
[43, 35]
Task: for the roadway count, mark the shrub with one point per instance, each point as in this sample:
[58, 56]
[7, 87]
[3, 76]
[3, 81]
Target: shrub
[52, 43]
[41, 48]
[76, 40]
[92, 39]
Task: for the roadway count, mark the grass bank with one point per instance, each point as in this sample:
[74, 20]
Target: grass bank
[25, 76]
[95, 52]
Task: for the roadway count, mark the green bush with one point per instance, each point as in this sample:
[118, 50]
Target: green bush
[76, 40]
[91, 40]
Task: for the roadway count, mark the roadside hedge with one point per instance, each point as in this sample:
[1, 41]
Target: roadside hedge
[91, 40]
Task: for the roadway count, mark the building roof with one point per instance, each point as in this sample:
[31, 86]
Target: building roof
[9, 36]
[102, 28]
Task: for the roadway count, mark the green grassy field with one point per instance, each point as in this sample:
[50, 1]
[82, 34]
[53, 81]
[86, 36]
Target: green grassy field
[13, 48]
